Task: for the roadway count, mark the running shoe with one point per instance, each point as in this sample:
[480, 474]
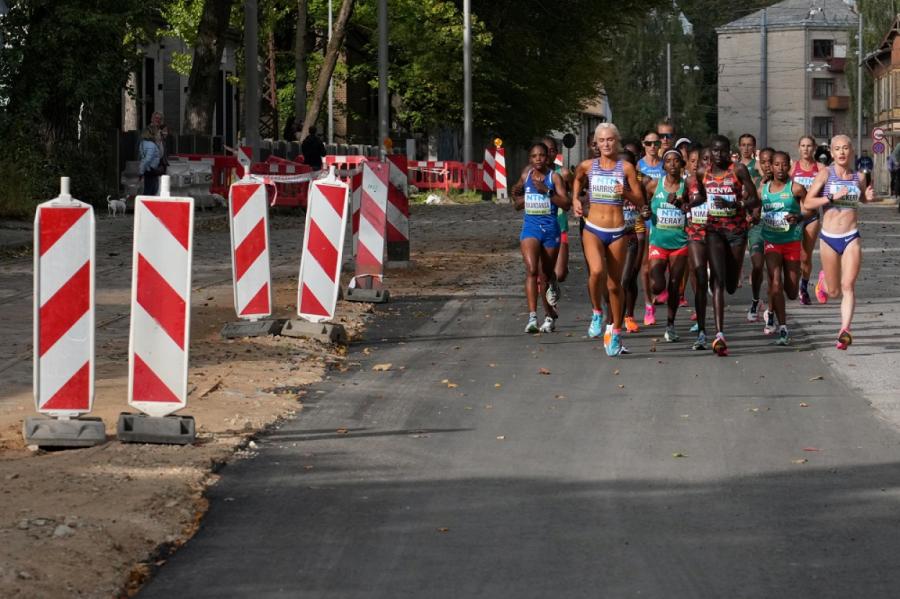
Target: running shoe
[595, 329]
[804, 296]
[700, 343]
[662, 298]
[784, 338]
[607, 337]
[695, 328]
[753, 312]
[630, 325]
[614, 348]
[844, 339]
[532, 326]
[649, 315]
[549, 325]
[719, 346]
[671, 336]
[694, 316]
[820, 288]
[553, 293]
[683, 303]
[769, 317]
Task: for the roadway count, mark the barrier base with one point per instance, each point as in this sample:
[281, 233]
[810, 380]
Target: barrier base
[171, 430]
[257, 328]
[399, 264]
[324, 332]
[372, 296]
[76, 432]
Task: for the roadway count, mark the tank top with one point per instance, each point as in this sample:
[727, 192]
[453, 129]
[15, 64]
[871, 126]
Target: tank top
[835, 184]
[538, 207]
[698, 215]
[776, 207]
[802, 176]
[668, 220]
[602, 183]
[652, 172]
[726, 187]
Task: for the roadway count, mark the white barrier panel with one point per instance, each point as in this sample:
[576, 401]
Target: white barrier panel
[250, 264]
[373, 192]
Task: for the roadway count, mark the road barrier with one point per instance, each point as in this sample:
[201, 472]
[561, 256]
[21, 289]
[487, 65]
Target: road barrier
[500, 174]
[250, 264]
[398, 209]
[487, 168]
[292, 191]
[367, 283]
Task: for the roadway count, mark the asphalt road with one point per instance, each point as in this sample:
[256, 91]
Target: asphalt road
[464, 471]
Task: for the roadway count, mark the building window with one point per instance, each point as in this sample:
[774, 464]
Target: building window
[823, 127]
[822, 49]
[822, 88]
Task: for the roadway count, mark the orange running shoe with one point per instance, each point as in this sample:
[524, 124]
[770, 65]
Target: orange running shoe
[630, 325]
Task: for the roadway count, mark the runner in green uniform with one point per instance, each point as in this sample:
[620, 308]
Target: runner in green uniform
[754, 237]
[782, 215]
[668, 239]
[562, 259]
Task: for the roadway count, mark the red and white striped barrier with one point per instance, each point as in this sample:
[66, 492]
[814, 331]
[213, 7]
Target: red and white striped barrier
[250, 265]
[500, 174]
[64, 268]
[558, 162]
[323, 245]
[398, 209]
[160, 303]
[373, 194]
[487, 181]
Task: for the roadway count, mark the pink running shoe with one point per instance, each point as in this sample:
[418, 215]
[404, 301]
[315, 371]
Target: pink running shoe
[649, 315]
[683, 303]
[820, 288]
[844, 339]
[662, 298]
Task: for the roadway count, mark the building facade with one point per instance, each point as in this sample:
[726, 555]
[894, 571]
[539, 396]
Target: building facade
[807, 43]
[884, 63]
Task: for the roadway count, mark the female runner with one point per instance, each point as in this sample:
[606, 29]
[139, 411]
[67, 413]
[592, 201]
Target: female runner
[805, 170]
[731, 195]
[649, 167]
[636, 232]
[609, 182]
[541, 193]
[782, 215]
[838, 190]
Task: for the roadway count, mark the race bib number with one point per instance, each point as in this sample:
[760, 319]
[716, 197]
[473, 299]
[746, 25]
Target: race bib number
[699, 214]
[669, 217]
[603, 188]
[630, 215]
[728, 203]
[805, 181]
[776, 221]
[537, 204]
[851, 200]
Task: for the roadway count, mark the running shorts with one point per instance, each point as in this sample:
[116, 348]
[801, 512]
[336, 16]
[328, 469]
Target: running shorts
[790, 251]
[755, 240]
[658, 253]
[547, 233]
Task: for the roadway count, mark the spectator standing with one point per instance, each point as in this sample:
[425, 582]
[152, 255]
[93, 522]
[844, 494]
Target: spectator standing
[313, 149]
[150, 158]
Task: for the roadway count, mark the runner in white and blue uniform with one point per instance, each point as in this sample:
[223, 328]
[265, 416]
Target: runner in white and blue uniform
[541, 193]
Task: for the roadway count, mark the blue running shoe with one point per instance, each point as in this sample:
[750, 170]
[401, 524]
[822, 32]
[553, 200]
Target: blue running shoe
[615, 344]
[596, 328]
[695, 328]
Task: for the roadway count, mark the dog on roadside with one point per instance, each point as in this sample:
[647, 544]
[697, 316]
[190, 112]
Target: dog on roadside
[113, 207]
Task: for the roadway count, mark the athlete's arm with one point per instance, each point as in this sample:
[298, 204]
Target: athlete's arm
[698, 196]
[800, 194]
[751, 197]
[814, 197]
[560, 198]
[578, 187]
[633, 190]
[868, 191]
[518, 192]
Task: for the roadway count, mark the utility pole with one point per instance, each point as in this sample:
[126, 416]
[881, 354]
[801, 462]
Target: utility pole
[859, 82]
[763, 83]
[330, 83]
[467, 81]
[383, 108]
[668, 80]
[251, 80]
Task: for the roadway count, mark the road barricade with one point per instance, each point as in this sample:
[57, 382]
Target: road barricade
[248, 216]
[398, 210]
[487, 168]
[500, 174]
[367, 282]
[345, 166]
[293, 191]
[64, 267]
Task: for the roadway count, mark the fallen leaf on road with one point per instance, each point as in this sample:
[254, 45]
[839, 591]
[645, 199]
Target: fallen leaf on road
[382, 367]
[501, 437]
[342, 431]
[811, 449]
[799, 461]
[685, 415]
[560, 397]
[443, 529]
[308, 467]
[445, 381]
[544, 371]
[817, 378]
[492, 365]
[497, 385]
[679, 455]
[621, 386]
[488, 407]
[616, 371]
[803, 404]
[452, 385]
[367, 351]
[653, 344]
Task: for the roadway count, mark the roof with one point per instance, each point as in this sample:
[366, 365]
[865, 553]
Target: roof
[797, 14]
[884, 49]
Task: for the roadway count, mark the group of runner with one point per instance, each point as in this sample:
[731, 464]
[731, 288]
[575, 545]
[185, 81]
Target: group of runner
[686, 212]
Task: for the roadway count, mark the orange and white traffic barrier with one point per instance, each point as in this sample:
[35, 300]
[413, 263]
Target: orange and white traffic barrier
[64, 306]
[487, 166]
[398, 209]
[248, 215]
[160, 303]
[367, 282]
[323, 245]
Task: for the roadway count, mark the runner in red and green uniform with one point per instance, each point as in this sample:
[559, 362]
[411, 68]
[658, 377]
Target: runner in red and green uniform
[699, 163]
[805, 170]
[755, 242]
[747, 151]
[730, 194]
[782, 214]
[668, 239]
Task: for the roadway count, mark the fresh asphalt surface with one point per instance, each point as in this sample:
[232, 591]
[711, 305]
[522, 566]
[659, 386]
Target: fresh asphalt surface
[465, 471]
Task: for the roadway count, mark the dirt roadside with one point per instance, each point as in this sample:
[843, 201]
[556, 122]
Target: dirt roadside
[94, 522]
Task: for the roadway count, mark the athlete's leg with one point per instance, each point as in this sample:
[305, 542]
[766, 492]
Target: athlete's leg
[548, 261]
[850, 263]
[775, 266]
[531, 255]
[791, 279]
[595, 256]
[831, 265]
[676, 277]
[808, 243]
[630, 272]
[615, 262]
[717, 248]
[699, 265]
[562, 262]
[657, 275]
[734, 260]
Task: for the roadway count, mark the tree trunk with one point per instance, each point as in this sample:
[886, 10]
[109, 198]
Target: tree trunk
[331, 55]
[203, 83]
[300, 64]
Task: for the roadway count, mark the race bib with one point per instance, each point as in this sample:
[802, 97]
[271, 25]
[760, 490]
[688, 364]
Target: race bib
[730, 205]
[603, 189]
[851, 200]
[805, 181]
[630, 215]
[699, 214]
[669, 217]
[776, 221]
[537, 204]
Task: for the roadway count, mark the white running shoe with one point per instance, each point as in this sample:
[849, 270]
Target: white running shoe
[549, 325]
[552, 293]
[532, 326]
[770, 327]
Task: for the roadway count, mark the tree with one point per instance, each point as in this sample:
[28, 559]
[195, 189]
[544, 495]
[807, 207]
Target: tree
[331, 55]
[203, 80]
[300, 74]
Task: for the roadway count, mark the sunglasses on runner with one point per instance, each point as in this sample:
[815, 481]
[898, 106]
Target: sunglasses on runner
[653, 143]
[666, 135]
